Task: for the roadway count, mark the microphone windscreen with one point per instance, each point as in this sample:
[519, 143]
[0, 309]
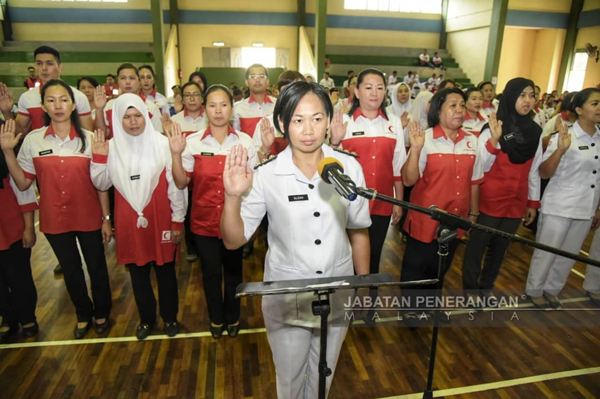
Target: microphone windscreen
[327, 163]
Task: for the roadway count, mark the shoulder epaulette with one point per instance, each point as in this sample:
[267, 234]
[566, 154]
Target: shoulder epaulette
[265, 161]
[352, 154]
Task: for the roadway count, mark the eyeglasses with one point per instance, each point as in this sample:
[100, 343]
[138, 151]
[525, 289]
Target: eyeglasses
[192, 95]
[256, 77]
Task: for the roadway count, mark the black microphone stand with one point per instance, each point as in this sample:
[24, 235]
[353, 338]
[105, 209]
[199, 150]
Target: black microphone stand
[446, 232]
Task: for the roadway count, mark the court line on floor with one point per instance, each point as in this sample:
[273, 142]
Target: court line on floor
[203, 334]
[501, 384]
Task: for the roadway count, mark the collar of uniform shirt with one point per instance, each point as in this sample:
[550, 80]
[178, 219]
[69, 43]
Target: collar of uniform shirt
[579, 132]
[50, 131]
[439, 132]
[284, 164]
[358, 112]
[207, 132]
[267, 99]
[201, 114]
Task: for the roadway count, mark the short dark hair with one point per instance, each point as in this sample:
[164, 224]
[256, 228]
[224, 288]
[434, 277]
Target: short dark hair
[237, 92]
[567, 102]
[75, 121]
[148, 67]
[217, 87]
[110, 75]
[470, 91]
[188, 84]
[445, 82]
[438, 99]
[30, 67]
[334, 90]
[394, 72]
[288, 77]
[92, 81]
[175, 87]
[202, 78]
[361, 76]
[256, 66]
[47, 50]
[485, 83]
[289, 99]
[581, 97]
[349, 72]
[128, 65]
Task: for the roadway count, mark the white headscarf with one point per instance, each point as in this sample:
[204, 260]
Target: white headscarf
[397, 108]
[418, 109]
[135, 163]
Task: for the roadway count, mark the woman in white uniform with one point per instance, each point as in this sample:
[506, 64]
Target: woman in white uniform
[313, 232]
[570, 202]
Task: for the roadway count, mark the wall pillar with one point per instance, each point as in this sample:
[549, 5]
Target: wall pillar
[320, 38]
[499, 10]
[569, 47]
[159, 45]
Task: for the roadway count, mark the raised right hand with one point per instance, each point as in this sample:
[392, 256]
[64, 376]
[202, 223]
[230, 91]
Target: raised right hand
[337, 128]
[495, 128]
[6, 99]
[267, 134]
[177, 140]
[99, 143]
[416, 135]
[100, 98]
[237, 176]
[8, 139]
[564, 137]
[166, 122]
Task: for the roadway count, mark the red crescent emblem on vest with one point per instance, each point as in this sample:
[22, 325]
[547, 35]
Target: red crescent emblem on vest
[468, 144]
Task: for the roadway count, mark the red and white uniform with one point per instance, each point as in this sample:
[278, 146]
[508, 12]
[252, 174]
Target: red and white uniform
[448, 170]
[68, 199]
[109, 90]
[379, 144]
[153, 112]
[30, 106]
[279, 144]
[165, 212]
[159, 100]
[474, 126]
[487, 109]
[32, 83]
[550, 124]
[247, 113]
[204, 162]
[540, 116]
[188, 124]
[14, 203]
[509, 188]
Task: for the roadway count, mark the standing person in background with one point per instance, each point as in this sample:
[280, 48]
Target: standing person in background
[18, 295]
[201, 159]
[540, 115]
[247, 113]
[327, 82]
[401, 103]
[148, 88]
[200, 79]
[378, 139]
[87, 85]
[392, 79]
[110, 88]
[72, 211]
[334, 96]
[31, 114]
[474, 121]
[346, 84]
[32, 81]
[149, 208]
[175, 101]
[511, 191]
[570, 205]
[487, 88]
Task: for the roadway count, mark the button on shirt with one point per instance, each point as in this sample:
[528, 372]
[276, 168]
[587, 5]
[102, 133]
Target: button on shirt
[188, 124]
[448, 170]
[68, 199]
[247, 113]
[307, 229]
[204, 162]
[379, 144]
[574, 189]
[30, 106]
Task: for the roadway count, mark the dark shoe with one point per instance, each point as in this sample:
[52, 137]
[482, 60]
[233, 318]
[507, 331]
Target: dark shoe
[80, 332]
[553, 300]
[370, 319]
[248, 249]
[12, 328]
[171, 328]
[233, 329]
[58, 269]
[594, 297]
[143, 331]
[101, 328]
[411, 320]
[30, 332]
[217, 331]
[191, 257]
[539, 302]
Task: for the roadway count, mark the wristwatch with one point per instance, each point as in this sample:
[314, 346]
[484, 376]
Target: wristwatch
[107, 217]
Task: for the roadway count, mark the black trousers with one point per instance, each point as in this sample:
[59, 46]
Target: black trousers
[474, 276]
[168, 296]
[18, 296]
[64, 246]
[377, 232]
[421, 262]
[219, 263]
[189, 239]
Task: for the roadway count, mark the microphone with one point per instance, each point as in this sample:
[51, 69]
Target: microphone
[332, 172]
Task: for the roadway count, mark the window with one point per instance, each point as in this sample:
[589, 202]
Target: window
[422, 6]
[257, 55]
[577, 73]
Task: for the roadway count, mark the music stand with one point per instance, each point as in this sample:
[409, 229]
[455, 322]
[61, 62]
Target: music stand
[322, 288]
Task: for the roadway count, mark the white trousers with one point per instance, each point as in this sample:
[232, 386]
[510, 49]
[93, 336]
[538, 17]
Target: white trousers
[296, 356]
[549, 272]
[592, 273]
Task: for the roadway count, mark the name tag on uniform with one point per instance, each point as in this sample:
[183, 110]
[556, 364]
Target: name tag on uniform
[207, 154]
[299, 197]
[584, 147]
[46, 152]
[135, 177]
[358, 133]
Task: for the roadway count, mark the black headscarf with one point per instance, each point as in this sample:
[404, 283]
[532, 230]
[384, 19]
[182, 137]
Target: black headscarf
[520, 134]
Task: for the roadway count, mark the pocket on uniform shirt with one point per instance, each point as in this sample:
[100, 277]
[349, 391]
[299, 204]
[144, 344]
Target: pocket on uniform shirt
[277, 272]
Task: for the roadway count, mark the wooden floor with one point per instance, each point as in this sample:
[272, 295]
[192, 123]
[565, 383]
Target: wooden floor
[509, 354]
